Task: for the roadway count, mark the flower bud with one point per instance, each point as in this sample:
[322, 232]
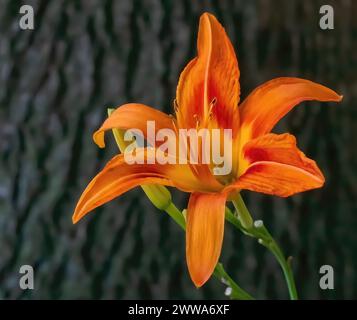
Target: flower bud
[160, 196]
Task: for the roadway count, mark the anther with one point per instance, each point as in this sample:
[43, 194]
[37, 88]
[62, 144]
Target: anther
[214, 101]
[176, 106]
[174, 122]
[211, 106]
[195, 116]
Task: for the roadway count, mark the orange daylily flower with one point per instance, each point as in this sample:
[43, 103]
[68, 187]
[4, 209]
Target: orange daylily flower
[208, 97]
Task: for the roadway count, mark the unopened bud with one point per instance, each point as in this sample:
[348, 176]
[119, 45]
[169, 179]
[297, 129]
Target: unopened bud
[184, 213]
[158, 195]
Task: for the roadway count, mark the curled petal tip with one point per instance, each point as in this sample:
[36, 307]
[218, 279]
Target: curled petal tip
[98, 138]
[76, 216]
[200, 281]
[322, 180]
[74, 219]
[208, 15]
[334, 96]
[205, 15]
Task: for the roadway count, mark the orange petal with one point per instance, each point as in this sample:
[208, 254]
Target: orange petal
[277, 167]
[204, 234]
[210, 82]
[267, 104]
[117, 177]
[133, 116]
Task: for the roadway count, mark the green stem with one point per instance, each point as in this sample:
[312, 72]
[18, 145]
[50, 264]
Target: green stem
[176, 215]
[243, 222]
[286, 267]
[243, 212]
[237, 292]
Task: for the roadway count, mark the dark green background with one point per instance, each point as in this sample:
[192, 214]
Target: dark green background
[83, 56]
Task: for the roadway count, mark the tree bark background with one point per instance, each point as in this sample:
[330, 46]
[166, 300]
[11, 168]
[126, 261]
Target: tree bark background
[86, 55]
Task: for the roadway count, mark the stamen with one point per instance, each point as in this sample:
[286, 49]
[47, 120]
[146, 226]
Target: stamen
[214, 101]
[194, 170]
[174, 122]
[195, 116]
[211, 106]
[176, 106]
